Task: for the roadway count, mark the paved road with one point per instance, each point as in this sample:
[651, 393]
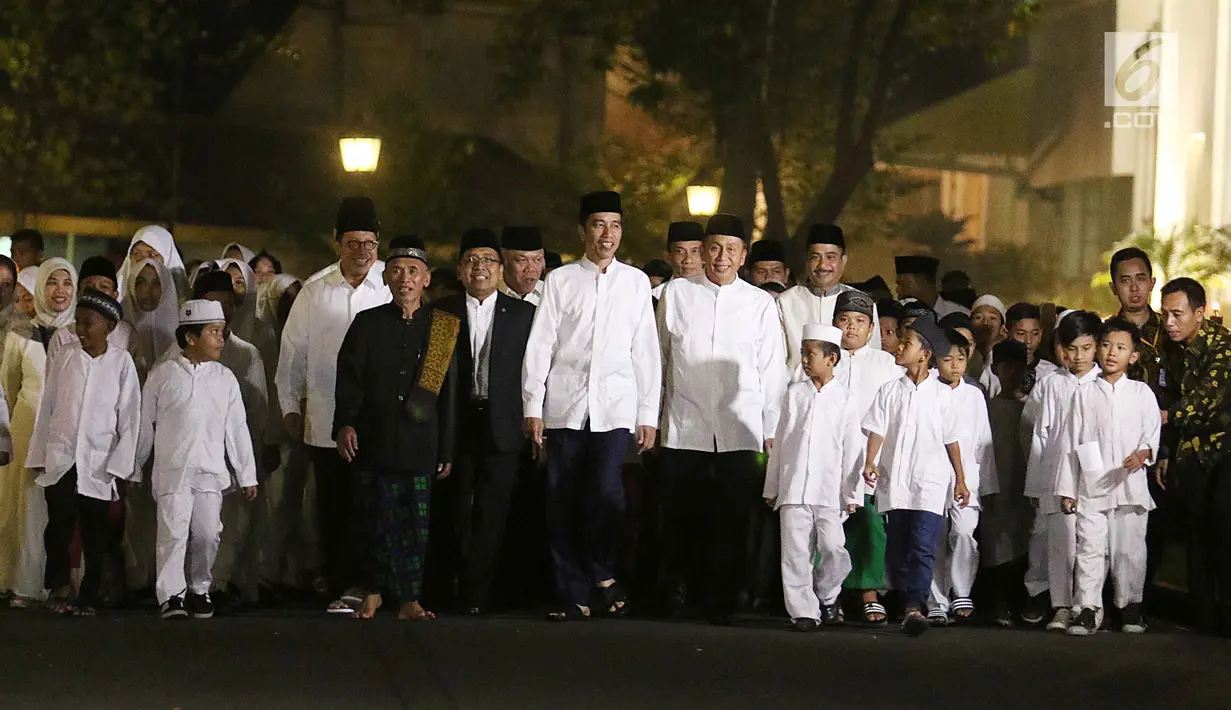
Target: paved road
[132, 660]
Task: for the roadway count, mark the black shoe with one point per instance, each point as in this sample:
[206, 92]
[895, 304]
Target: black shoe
[173, 608]
[200, 606]
[832, 615]
[1002, 616]
[1132, 620]
[804, 624]
[1036, 609]
[1085, 624]
[915, 624]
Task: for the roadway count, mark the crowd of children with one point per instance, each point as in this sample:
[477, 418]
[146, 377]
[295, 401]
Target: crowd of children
[1040, 486]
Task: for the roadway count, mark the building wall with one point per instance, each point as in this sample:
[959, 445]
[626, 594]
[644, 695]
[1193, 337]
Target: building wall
[328, 76]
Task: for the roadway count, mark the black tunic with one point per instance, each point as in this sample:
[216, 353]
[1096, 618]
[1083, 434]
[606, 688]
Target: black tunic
[377, 393]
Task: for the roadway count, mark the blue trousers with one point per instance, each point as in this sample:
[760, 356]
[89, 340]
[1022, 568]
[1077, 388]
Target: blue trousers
[910, 548]
[585, 507]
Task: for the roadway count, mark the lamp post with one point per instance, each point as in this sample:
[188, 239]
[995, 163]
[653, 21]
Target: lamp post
[359, 154]
[703, 199]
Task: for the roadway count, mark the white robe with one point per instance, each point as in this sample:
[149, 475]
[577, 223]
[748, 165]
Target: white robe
[153, 332]
[817, 457]
[799, 306]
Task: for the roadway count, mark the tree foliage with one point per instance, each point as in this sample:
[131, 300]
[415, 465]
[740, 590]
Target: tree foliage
[86, 90]
[778, 84]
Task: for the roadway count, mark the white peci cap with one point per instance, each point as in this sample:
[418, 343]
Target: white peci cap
[201, 311]
[826, 333]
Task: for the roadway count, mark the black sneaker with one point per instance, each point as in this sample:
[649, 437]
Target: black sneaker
[1036, 609]
[200, 606]
[173, 608]
[804, 624]
[1133, 621]
[1085, 624]
[832, 615]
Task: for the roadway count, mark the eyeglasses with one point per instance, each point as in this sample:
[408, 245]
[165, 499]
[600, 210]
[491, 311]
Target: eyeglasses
[484, 260]
[363, 246]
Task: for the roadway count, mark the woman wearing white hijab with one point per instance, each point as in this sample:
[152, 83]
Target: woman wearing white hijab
[152, 242]
[244, 253]
[21, 373]
[151, 307]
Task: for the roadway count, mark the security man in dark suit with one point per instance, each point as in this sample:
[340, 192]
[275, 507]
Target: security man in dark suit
[491, 346]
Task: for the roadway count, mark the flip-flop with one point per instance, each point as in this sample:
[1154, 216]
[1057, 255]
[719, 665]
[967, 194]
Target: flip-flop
[339, 606]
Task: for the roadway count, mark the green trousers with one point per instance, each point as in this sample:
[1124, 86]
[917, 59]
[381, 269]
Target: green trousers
[865, 541]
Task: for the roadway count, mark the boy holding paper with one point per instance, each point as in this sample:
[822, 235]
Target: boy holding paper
[1113, 430]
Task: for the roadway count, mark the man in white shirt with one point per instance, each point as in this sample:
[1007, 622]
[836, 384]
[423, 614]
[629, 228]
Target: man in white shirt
[725, 378]
[592, 374]
[917, 279]
[684, 244]
[814, 301]
[522, 251]
[307, 373]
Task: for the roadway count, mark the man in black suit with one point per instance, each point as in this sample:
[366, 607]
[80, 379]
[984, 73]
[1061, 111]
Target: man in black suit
[491, 346]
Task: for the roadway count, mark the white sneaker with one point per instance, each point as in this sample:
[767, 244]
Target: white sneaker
[1062, 620]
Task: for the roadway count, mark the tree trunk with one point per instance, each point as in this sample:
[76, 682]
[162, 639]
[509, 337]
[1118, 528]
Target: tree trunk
[771, 181]
[739, 162]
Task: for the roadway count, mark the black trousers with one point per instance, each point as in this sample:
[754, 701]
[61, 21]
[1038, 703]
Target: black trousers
[65, 510]
[707, 507]
[485, 481]
[1207, 498]
[334, 505]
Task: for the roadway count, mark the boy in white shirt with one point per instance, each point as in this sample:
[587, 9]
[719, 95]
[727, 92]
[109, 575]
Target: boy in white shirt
[957, 556]
[193, 418]
[85, 437]
[1113, 431]
[863, 369]
[1078, 334]
[813, 481]
[914, 420]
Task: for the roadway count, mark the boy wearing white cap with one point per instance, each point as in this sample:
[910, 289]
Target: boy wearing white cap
[192, 417]
[987, 318]
[813, 480]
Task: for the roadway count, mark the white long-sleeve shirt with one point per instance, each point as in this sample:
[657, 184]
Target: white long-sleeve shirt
[800, 306]
[1045, 414]
[308, 362]
[864, 372]
[724, 365]
[593, 350]
[120, 337]
[192, 417]
[975, 441]
[917, 423]
[818, 452]
[89, 417]
[244, 361]
[1123, 418]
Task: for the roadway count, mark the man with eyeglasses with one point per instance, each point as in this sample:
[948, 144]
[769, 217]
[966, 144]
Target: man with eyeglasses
[522, 250]
[490, 347]
[814, 301]
[307, 375]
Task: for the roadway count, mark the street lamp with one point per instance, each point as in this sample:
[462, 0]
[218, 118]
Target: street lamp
[359, 155]
[703, 199]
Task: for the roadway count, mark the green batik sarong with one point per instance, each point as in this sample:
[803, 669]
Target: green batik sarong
[865, 541]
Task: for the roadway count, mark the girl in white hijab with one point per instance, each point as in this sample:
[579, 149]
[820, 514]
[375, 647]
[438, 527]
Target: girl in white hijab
[152, 242]
[245, 254]
[23, 512]
[151, 306]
